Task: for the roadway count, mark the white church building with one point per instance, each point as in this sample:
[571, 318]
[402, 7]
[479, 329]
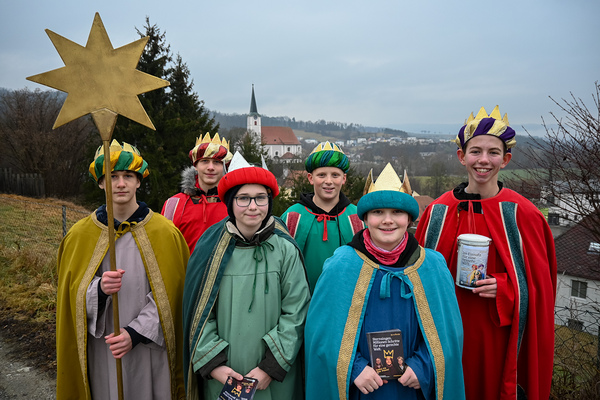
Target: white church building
[280, 142]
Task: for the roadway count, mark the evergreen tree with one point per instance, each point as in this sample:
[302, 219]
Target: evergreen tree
[354, 186]
[252, 150]
[177, 113]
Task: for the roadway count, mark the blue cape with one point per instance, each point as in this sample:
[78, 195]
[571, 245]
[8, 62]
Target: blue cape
[336, 314]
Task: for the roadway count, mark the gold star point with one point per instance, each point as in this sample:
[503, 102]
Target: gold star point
[98, 77]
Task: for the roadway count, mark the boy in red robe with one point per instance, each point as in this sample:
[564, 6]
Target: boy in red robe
[508, 317]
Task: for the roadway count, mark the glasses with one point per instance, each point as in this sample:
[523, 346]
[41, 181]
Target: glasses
[244, 201]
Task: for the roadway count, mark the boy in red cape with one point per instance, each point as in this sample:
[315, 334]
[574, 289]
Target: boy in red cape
[198, 207]
[508, 318]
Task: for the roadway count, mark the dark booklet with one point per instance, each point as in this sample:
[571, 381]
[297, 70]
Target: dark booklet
[387, 353]
[236, 389]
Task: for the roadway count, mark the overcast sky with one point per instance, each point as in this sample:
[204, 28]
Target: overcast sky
[400, 64]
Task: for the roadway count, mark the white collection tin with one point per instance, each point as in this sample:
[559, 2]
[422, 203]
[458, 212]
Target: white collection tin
[471, 263]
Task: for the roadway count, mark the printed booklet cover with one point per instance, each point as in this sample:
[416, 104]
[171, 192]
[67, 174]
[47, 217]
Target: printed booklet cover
[387, 353]
[236, 389]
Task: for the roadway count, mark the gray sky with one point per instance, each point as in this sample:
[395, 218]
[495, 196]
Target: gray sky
[415, 65]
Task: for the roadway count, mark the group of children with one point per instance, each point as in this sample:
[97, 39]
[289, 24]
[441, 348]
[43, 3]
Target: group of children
[289, 301]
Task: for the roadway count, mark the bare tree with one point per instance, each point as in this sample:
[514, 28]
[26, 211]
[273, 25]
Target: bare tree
[566, 162]
[29, 145]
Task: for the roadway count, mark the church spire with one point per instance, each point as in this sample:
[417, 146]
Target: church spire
[253, 108]
[254, 120]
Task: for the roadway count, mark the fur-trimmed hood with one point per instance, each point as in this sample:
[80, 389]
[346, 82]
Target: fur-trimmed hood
[188, 181]
[189, 177]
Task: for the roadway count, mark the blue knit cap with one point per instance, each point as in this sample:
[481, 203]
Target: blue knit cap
[387, 199]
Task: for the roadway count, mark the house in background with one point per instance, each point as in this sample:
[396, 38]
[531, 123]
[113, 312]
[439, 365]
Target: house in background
[562, 209]
[578, 285]
[280, 142]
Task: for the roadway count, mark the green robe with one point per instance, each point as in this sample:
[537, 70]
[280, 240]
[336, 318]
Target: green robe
[318, 237]
[243, 300]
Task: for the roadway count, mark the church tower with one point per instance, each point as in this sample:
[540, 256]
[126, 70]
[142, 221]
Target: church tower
[253, 122]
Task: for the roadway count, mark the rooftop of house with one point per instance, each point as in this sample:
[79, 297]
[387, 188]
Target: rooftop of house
[292, 176]
[574, 255]
[423, 202]
[288, 156]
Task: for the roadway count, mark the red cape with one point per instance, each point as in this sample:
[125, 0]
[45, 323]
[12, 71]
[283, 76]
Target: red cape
[509, 341]
[193, 219]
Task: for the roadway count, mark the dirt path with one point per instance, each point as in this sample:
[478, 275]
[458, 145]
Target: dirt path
[20, 378]
[27, 357]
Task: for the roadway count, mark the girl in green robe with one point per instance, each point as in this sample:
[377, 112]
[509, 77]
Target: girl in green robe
[246, 295]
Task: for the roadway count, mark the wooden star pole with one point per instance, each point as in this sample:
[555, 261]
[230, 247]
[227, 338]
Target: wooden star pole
[104, 82]
[105, 121]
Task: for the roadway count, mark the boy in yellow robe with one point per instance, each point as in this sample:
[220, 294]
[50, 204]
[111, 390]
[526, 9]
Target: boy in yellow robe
[151, 256]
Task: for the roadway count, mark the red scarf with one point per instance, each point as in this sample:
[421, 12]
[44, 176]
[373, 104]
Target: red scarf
[383, 256]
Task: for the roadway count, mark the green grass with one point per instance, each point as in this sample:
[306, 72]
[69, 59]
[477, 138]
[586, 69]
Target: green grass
[518, 174]
[313, 135]
[31, 234]
[576, 373]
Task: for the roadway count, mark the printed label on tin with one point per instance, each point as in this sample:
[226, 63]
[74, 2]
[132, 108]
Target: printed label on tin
[471, 265]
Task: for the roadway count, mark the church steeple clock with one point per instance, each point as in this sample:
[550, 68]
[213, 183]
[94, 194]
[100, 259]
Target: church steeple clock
[253, 122]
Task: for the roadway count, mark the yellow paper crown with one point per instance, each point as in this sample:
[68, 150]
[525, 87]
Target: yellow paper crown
[216, 140]
[122, 158]
[494, 114]
[116, 147]
[206, 147]
[387, 180]
[324, 146]
[474, 126]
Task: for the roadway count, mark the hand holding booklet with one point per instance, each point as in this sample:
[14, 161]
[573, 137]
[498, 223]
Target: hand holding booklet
[238, 389]
[387, 353]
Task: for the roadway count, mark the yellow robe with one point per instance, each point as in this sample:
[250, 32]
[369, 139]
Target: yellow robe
[164, 253]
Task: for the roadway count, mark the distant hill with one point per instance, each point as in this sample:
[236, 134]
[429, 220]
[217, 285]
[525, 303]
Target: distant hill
[343, 130]
[338, 130]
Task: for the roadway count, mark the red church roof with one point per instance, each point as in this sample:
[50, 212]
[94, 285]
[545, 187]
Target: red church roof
[272, 135]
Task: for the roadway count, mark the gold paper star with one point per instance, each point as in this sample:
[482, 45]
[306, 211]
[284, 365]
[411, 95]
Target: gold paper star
[98, 77]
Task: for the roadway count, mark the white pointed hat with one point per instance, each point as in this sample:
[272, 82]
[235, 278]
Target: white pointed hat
[241, 173]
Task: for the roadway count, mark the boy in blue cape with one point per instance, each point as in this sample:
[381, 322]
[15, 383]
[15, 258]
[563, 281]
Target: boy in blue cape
[384, 280]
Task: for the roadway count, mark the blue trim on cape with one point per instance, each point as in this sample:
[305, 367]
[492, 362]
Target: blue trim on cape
[434, 230]
[509, 217]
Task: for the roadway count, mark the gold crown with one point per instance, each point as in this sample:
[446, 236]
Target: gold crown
[494, 114]
[216, 140]
[387, 180]
[324, 146]
[388, 353]
[116, 147]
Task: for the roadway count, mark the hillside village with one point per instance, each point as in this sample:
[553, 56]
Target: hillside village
[289, 141]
